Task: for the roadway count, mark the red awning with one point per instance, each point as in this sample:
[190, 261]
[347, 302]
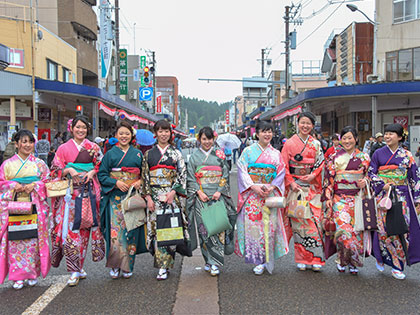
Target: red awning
[289, 112]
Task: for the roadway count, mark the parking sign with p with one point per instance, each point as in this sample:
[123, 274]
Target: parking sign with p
[145, 93]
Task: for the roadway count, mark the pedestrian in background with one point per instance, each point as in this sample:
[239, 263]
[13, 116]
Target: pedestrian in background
[334, 148]
[304, 161]
[228, 154]
[379, 138]
[43, 148]
[3, 143]
[164, 181]
[79, 160]
[208, 181]
[345, 177]
[393, 167]
[120, 169]
[57, 140]
[25, 252]
[51, 156]
[262, 234]
[368, 145]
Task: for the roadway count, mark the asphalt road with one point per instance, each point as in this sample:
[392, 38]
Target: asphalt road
[286, 291]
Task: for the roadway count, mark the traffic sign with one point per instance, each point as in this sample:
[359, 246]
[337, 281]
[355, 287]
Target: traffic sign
[145, 94]
[136, 75]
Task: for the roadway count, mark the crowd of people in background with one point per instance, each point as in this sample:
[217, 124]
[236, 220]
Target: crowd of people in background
[126, 199]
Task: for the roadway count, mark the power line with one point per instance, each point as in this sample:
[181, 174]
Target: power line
[323, 22]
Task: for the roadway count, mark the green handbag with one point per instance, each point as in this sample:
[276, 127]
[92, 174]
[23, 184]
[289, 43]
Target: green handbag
[215, 218]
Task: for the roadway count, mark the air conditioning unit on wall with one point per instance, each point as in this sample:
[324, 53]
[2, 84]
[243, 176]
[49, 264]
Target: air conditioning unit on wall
[372, 78]
[132, 94]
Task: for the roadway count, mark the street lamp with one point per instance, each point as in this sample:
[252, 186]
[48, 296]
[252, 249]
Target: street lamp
[354, 8]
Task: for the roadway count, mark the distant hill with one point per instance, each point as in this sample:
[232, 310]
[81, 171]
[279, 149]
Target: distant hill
[200, 112]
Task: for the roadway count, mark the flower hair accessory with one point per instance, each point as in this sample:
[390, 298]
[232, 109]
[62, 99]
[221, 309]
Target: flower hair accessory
[134, 131]
[69, 125]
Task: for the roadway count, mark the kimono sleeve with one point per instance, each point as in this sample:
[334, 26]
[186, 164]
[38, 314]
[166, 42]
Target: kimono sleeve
[286, 153]
[328, 190]
[376, 182]
[180, 184]
[413, 175]
[319, 160]
[224, 181]
[45, 177]
[244, 180]
[97, 157]
[107, 182]
[192, 185]
[145, 173]
[5, 185]
[278, 182]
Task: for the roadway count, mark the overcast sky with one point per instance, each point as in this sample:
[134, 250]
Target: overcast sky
[223, 38]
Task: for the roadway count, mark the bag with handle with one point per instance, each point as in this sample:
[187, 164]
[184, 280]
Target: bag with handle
[134, 209]
[386, 202]
[370, 222]
[395, 221]
[298, 206]
[215, 218]
[59, 188]
[85, 209]
[169, 227]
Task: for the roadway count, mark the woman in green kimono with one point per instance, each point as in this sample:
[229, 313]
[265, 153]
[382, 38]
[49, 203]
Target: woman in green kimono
[208, 179]
[164, 180]
[120, 169]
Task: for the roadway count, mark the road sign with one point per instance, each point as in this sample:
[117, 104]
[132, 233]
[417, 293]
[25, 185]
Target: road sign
[158, 102]
[123, 72]
[136, 75]
[145, 94]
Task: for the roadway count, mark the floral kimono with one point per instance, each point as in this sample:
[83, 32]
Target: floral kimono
[342, 171]
[208, 171]
[163, 171]
[122, 246]
[307, 233]
[263, 234]
[399, 168]
[73, 244]
[27, 258]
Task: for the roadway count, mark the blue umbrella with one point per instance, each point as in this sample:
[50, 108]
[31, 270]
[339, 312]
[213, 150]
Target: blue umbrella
[145, 137]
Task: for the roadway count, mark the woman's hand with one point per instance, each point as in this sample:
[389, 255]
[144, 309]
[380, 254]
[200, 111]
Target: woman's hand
[73, 173]
[203, 197]
[89, 176]
[19, 188]
[216, 195]
[29, 188]
[137, 185]
[361, 183]
[122, 186]
[387, 187]
[329, 204]
[270, 188]
[170, 197]
[295, 187]
[150, 203]
[307, 178]
[260, 191]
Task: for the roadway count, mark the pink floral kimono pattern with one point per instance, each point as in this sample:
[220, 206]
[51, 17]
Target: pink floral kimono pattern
[257, 166]
[74, 245]
[28, 258]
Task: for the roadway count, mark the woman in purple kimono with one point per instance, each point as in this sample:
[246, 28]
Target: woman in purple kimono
[393, 167]
[263, 233]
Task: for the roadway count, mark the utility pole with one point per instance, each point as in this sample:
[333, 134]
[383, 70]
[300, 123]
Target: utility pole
[154, 82]
[287, 44]
[262, 62]
[117, 45]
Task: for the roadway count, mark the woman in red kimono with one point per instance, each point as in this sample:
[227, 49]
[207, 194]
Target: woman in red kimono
[304, 161]
[78, 159]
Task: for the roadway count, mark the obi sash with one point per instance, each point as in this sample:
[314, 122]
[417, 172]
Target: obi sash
[81, 167]
[347, 180]
[393, 174]
[262, 173]
[162, 175]
[208, 175]
[300, 168]
[22, 227]
[128, 175]
[26, 180]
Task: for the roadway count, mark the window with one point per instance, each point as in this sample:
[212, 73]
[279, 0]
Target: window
[16, 58]
[416, 63]
[52, 70]
[391, 66]
[406, 10]
[66, 75]
[405, 64]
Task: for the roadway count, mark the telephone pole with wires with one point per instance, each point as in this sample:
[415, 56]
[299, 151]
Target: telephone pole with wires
[287, 50]
[117, 45]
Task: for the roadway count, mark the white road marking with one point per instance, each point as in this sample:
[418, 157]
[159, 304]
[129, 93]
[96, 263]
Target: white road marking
[58, 283]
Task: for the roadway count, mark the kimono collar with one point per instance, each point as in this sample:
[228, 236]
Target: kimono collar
[22, 160]
[262, 149]
[163, 151]
[393, 152]
[207, 153]
[79, 146]
[304, 141]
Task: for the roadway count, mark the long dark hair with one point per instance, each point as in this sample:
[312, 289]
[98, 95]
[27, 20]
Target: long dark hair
[23, 133]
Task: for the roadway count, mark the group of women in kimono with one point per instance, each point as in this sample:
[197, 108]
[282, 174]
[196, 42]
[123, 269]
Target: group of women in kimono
[314, 192]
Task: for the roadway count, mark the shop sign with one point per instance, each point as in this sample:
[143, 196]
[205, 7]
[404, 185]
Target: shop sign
[402, 120]
[22, 110]
[44, 114]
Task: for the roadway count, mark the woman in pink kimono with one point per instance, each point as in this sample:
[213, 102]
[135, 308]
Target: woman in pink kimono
[263, 233]
[78, 159]
[304, 161]
[24, 244]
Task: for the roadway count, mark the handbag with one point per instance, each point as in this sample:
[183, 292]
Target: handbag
[133, 209]
[22, 227]
[369, 212]
[299, 207]
[20, 207]
[215, 218]
[359, 224]
[85, 209]
[395, 222]
[169, 227]
[59, 188]
[275, 202]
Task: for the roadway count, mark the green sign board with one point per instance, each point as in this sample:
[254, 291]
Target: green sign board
[142, 65]
[123, 72]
